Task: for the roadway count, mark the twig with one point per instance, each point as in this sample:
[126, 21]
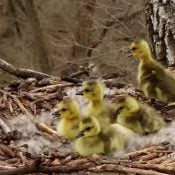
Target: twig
[36, 167]
[6, 150]
[47, 129]
[5, 167]
[137, 153]
[51, 86]
[159, 168]
[122, 169]
[149, 156]
[21, 106]
[4, 126]
[115, 75]
[77, 74]
[21, 170]
[10, 106]
[109, 24]
[160, 159]
[71, 80]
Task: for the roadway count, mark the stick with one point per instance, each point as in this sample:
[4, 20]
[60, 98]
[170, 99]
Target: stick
[21, 73]
[35, 167]
[6, 150]
[51, 86]
[149, 156]
[77, 74]
[121, 169]
[4, 126]
[46, 129]
[160, 159]
[115, 75]
[137, 153]
[71, 80]
[21, 106]
[159, 168]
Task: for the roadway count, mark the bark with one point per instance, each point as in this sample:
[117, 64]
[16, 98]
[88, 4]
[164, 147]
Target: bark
[160, 19]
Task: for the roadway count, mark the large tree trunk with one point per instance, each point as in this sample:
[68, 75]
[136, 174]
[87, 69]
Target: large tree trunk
[160, 19]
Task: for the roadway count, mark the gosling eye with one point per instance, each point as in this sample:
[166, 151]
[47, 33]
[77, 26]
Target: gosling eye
[88, 128]
[134, 48]
[63, 110]
[120, 108]
[87, 90]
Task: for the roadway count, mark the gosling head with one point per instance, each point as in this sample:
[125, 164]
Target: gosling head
[68, 108]
[126, 103]
[140, 49]
[88, 127]
[93, 90]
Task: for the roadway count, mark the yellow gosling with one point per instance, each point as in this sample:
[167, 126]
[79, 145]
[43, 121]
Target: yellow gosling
[154, 80]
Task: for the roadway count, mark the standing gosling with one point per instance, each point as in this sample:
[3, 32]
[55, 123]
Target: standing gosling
[93, 90]
[91, 140]
[69, 111]
[138, 117]
[154, 80]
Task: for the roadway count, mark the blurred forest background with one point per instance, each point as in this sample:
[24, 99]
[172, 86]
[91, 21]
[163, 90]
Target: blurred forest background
[59, 36]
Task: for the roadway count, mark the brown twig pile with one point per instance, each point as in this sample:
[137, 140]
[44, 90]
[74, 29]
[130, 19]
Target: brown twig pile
[153, 160]
[31, 96]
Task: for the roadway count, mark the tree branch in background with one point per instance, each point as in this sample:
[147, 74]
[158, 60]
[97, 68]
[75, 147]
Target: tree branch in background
[28, 73]
[84, 29]
[13, 13]
[37, 36]
[109, 24]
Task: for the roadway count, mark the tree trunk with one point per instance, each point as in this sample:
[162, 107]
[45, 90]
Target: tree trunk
[160, 19]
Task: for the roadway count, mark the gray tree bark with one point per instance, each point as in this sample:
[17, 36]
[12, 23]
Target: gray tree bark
[160, 20]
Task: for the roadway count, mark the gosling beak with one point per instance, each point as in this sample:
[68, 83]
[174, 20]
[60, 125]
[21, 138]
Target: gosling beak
[79, 92]
[56, 114]
[80, 134]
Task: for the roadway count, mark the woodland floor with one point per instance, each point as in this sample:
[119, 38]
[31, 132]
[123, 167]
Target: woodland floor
[30, 145]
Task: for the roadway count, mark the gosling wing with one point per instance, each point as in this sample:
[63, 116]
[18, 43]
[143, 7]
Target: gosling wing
[161, 83]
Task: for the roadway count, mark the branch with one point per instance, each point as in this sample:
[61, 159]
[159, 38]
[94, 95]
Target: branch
[28, 73]
[21, 73]
[109, 24]
[6, 150]
[80, 166]
[37, 35]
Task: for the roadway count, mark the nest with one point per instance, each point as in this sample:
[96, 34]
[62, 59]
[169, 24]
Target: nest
[32, 96]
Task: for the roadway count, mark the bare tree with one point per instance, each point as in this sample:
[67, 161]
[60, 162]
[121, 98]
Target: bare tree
[65, 34]
[22, 41]
[160, 19]
[37, 34]
[82, 35]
